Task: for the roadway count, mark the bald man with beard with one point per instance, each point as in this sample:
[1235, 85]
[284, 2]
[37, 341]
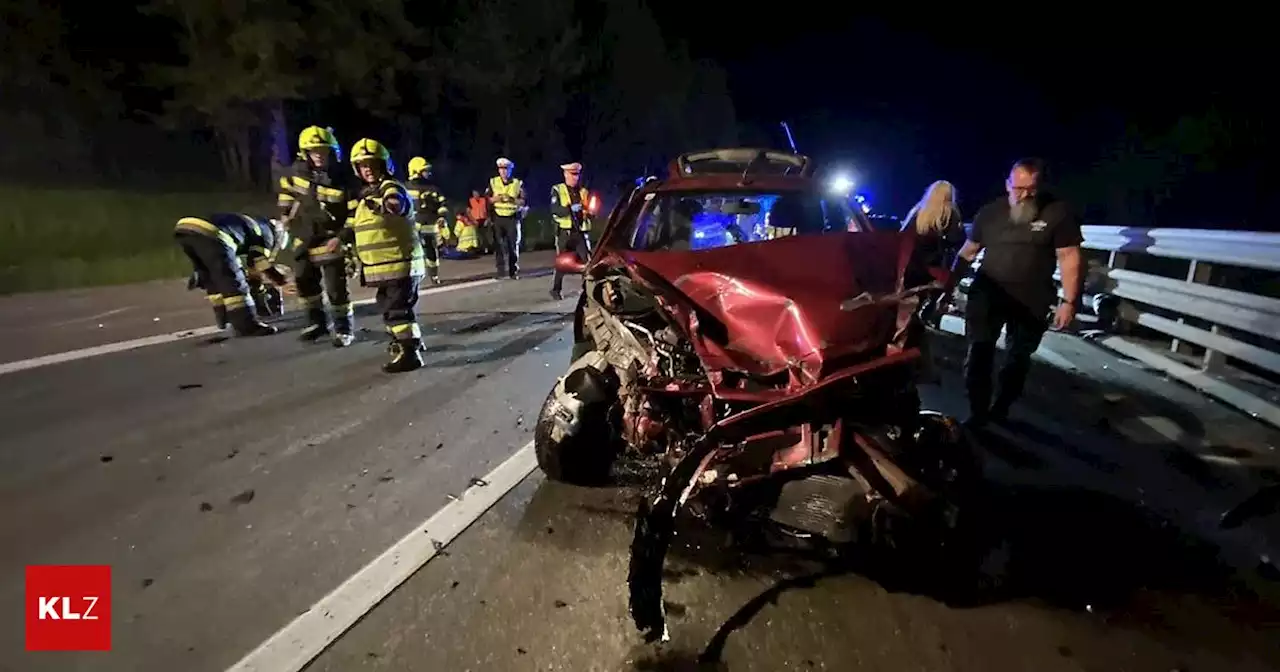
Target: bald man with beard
[1026, 236]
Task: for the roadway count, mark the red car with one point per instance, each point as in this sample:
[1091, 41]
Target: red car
[753, 336]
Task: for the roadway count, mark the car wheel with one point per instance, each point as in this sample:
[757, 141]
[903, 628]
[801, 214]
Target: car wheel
[585, 458]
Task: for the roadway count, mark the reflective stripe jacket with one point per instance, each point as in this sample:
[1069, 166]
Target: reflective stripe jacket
[387, 245]
[430, 211]
[321, 199]
[249, 237]
[561, 199]
[513, 189]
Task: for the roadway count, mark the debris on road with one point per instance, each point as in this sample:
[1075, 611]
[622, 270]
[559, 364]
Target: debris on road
[243, 498]
[190, 386]
[206, 507]
[476, 481]
[105, 459]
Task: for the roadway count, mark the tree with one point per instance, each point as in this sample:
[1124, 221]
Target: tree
[239, 64]
[649, 99]
[512, 64]
[244, 60]
[51, 100]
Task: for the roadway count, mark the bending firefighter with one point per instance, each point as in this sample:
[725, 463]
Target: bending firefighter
[571, 209]
[214, 246]
[314, 198]
[391, 258]
[508, 206]
[430, 214]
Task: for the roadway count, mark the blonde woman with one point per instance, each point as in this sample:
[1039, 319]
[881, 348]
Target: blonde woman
[935, 222]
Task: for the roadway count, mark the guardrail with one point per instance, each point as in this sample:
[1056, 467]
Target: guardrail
[1215, 331]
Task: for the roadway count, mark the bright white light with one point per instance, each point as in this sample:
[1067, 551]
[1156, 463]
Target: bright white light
[841, 184]
[866, 208]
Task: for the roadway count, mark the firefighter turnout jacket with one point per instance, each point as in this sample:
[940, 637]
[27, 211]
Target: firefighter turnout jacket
[430, 210]
[387, 245]
[315, 203]
[250, 238]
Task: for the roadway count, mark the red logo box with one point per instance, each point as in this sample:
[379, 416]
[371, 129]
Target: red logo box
[68, 608]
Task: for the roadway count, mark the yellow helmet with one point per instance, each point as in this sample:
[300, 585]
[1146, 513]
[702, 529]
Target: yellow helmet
[371, 150]
[419, 166]
[315, 137]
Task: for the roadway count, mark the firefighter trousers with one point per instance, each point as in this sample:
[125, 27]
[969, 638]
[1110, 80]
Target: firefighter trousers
[398, 301]
[570, 239]
[223, 279]
[314, 282]
[506, 245]
[431, 251]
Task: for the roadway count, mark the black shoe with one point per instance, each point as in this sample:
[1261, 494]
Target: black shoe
[256, 329]
[435, 279]
[342, 339]
[557, 295]
[405, 356]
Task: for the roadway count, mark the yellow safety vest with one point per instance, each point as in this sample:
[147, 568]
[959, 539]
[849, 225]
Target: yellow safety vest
[511, 189]
[563, 195]
[387, 245]
[467, 240]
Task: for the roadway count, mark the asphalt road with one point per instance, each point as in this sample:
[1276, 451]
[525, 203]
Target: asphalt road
[232, 485]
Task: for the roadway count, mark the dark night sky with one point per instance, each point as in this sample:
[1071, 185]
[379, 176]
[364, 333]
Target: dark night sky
[943, 94]
[947, 95]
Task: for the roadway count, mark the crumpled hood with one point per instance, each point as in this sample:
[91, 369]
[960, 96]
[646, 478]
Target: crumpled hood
[778, 303]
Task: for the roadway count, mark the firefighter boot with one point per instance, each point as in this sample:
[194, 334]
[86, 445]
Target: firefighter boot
[344, 332]
[274, 301]
[405, 356]
[220, 316]
[246, 325]
[319, 327]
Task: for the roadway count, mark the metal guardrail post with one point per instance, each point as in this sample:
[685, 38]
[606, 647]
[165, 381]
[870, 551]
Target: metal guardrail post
[1200, 272]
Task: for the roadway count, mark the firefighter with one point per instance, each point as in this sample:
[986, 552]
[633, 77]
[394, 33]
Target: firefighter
[214, 246]
[506, 194]
[571, 208]
[382, 226]
[430, 213]
[313, 199]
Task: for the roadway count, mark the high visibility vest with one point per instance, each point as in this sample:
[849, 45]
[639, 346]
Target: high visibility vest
[466, 233]
[387, 245]
[512, 189]
[565, 199]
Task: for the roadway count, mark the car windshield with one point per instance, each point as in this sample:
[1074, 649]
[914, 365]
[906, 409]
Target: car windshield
[686, 220]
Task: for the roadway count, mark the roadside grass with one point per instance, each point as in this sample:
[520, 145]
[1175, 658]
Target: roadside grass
[70, 238]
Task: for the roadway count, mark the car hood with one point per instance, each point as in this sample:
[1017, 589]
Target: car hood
[787, 305]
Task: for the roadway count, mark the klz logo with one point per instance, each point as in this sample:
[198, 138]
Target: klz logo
[69, 608]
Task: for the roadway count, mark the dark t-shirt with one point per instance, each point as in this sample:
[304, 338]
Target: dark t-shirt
[1021, 259]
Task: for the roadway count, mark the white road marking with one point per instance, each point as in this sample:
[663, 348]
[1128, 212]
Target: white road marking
[121, 346]
[91, 318]
[298, 643]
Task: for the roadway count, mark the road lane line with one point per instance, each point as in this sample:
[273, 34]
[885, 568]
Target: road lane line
[121, 346]
[298, 643]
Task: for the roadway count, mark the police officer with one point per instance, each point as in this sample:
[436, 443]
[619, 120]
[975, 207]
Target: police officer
[214, 246]
[570, 208]
[507, 199]
[1025, 235]
[313, 198]
[390, 252]
[430, 213]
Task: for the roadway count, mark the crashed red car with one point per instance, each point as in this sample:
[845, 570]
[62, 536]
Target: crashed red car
[752, 334]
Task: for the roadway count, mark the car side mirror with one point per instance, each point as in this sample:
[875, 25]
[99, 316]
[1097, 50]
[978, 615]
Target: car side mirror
[567, 262]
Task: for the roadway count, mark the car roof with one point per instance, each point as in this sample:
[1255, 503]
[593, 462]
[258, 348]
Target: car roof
[738, 168]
